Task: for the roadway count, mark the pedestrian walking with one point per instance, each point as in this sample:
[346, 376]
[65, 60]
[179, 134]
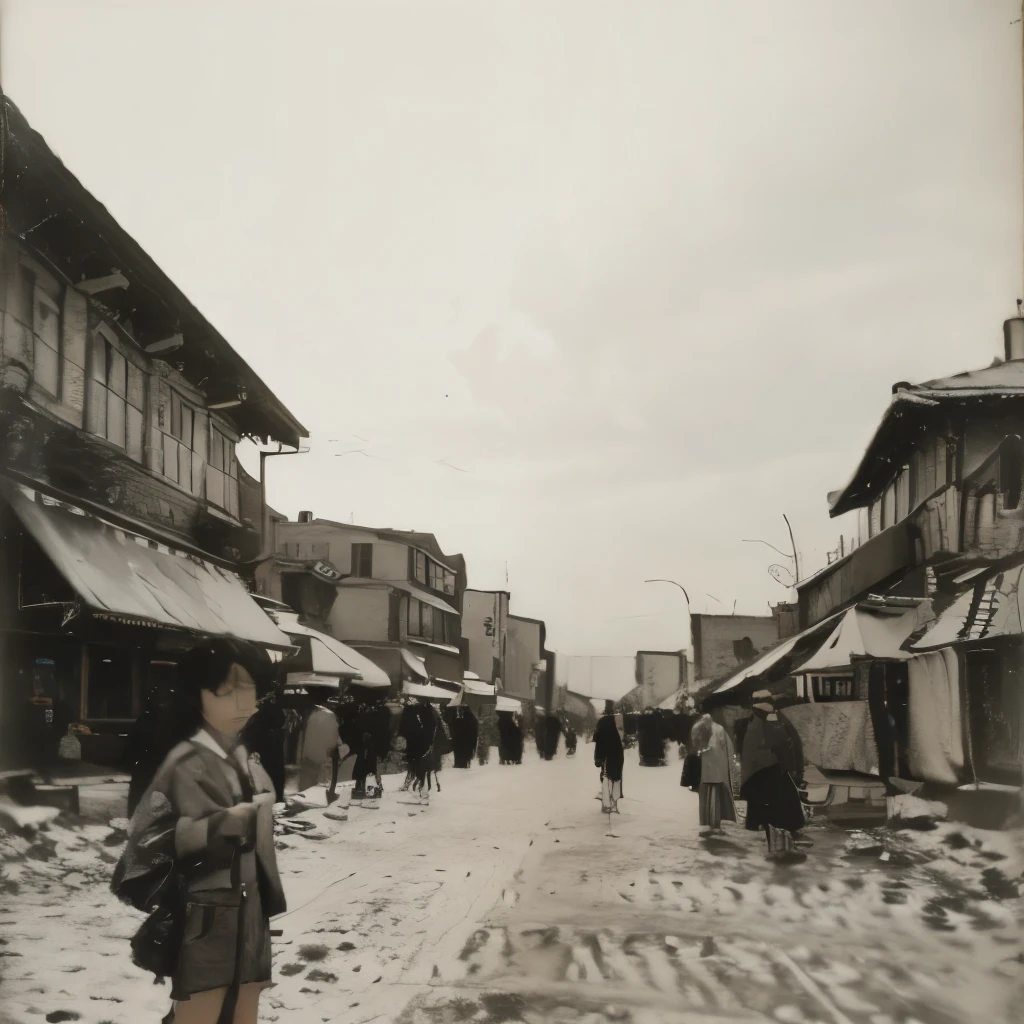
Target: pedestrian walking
[510, 738]
[552, 734]
[320, 739]
[609, 757]
[712, 744]
[417, 729]
[200, 855]
[772, 760]
[465, 729]
[570, 739]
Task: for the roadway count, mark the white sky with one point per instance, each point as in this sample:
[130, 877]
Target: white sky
[644, 271]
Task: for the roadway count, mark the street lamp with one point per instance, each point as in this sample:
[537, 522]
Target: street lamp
[674, 584]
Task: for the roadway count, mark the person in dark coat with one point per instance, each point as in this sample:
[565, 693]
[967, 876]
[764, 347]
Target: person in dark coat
[417, 729]
[150, 740]
[510, 739]
[570, 739]
[651, 739]
[465, 728]
[263, 736]
[609, 757]
[771, 768]
[552, 734]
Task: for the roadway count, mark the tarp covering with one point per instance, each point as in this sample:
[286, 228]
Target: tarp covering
[125, 575]
[936, 746]
[427, 691]
[990, 608]
[417, 665]
[331, 656]
[863, 633]
[836, 736]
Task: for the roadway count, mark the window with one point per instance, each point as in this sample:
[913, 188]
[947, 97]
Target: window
[222, 473]
[1010, 472]
[116, 397]
[46, 335]
[420, 566]
[362, 561]
[449, 582]
[829, 688]
[110, 685]
[436, 574]
[430, 624]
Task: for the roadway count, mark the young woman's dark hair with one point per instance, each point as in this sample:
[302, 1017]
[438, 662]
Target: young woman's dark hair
[205, 667]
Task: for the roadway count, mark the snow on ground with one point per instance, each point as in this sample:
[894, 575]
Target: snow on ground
[512, 898]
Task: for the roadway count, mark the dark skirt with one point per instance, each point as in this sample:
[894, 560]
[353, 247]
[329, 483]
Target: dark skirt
[772, 799]
[208, 950]
[716, 804]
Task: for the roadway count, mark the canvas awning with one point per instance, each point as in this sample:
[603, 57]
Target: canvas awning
[424, 595]
[331, 656]
[427, 691]
[864, 633]
[125, 576]
[477, 688]
[416, 665]
[990, 608]
[509, 704]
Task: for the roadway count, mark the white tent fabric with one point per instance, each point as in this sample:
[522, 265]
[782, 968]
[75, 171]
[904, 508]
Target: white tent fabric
[417, 665]
[762, 664]
[936, 746]
[509, 704]
[863, 633]
[330, 656]
[477, 688]
[427, 691]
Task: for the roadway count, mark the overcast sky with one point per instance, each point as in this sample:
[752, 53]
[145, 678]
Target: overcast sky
[643, 272]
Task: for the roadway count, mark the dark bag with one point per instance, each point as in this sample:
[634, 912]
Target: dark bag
[691, 772]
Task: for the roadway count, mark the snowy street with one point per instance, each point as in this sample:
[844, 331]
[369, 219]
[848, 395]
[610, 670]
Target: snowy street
[512, 899]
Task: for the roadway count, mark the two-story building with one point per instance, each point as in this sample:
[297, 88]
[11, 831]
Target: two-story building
[485, 634]
[121, 524]
[392, 595]
[920, 624]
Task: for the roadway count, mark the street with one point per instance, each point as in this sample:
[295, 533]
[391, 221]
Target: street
[512, 898]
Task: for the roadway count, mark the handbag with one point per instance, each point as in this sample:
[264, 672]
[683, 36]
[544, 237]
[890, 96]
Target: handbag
[691, 772]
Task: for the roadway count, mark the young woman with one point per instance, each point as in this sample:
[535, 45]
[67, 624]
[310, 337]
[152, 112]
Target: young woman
[711, 742]
[209, 813]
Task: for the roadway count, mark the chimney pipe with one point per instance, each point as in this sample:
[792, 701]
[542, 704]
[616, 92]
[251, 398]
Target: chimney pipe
[305, 517]
[1013, 338]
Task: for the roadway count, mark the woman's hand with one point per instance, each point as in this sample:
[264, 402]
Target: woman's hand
[238, 821]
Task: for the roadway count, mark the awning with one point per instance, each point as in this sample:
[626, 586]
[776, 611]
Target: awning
[123, 575]
[477, 688]
[470, 675]
[773, 656]
[509, 704]
[331, 656]
[424, 595]
[427, 691]
[864, 633]
[990, 608]
[416, 665]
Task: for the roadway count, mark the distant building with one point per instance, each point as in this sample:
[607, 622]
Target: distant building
[392, 595]
[529, 665]
[724, 643]
[659, 675]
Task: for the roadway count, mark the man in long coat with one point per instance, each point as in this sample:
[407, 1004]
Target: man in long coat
[609, 756]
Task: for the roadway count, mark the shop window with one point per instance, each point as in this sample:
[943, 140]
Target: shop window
[222, 473]
[362, 561]
[111, 692]
[1010, 468]
[830, 688]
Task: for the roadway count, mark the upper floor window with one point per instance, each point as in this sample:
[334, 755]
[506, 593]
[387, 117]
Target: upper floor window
[182, 442]
[43, 303]
[427, 623]
[222, 473]
[420, 567]
[362, 561]
[116, 397]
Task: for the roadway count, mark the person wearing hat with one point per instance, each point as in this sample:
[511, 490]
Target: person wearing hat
[609, 757]
[771, 760]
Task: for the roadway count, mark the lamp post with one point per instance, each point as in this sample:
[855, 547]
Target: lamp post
[674, 584]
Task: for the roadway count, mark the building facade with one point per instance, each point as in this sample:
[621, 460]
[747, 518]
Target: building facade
[120, 491]
[392, 595]
[485, 634]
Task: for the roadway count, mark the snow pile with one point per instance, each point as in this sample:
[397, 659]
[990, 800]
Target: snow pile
[14, 817]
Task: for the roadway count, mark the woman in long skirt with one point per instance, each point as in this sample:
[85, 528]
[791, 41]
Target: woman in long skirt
[711, 742]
